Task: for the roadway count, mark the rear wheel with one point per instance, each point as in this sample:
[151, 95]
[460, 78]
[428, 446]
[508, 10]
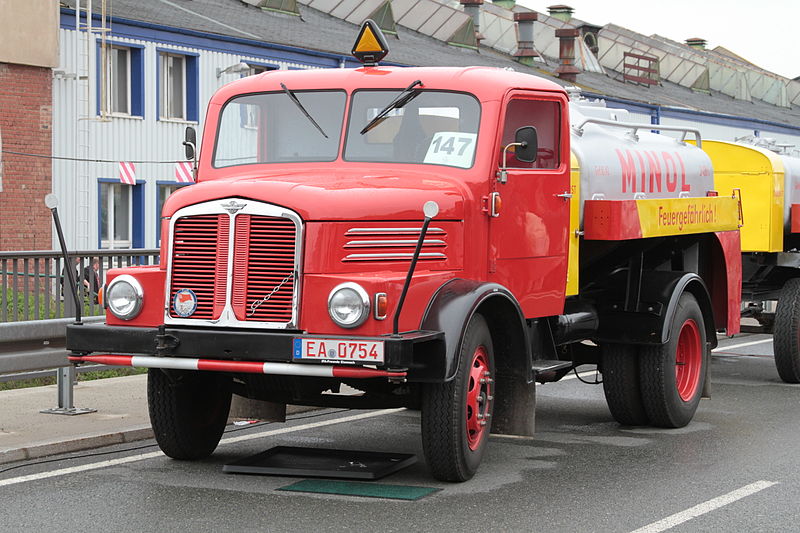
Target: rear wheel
[672, 375]
[620, 365]
[456, 416]
[786, 336]
[188, 411]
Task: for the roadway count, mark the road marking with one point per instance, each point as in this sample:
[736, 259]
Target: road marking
[742, 345]
[705, 507]
[230, 440]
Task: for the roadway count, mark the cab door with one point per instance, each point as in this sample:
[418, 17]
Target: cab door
[529, 236]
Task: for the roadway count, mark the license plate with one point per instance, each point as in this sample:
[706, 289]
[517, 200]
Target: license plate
[367, 352]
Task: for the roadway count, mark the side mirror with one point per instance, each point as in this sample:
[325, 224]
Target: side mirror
[527, 144]
[190, 143]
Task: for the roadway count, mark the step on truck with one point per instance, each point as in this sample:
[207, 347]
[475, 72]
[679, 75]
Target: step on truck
[439, 239]
[768, 175]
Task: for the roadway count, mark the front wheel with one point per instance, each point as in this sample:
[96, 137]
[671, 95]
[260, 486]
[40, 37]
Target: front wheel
[786, 336]
[188, 411]
[456, 416]
[672, 375]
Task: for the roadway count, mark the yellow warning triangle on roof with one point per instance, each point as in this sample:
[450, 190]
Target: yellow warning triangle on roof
[370, 46]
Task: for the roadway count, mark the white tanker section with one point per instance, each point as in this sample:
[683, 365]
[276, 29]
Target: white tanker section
[625, 163]
[791, 190]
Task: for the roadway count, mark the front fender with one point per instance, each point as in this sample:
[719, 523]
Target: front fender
[452, 307]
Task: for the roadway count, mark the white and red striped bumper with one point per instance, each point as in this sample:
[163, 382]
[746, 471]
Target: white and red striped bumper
[248, 367]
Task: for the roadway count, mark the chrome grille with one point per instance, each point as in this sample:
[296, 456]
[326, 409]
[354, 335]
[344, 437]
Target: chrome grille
[241, 261]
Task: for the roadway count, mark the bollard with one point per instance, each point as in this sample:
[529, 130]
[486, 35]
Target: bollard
[66, 379]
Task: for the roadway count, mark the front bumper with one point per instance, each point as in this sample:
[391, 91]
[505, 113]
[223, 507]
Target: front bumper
[417, 355]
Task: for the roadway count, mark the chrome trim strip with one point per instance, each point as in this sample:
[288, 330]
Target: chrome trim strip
[409, 242]
[397, 231]
[393, 256]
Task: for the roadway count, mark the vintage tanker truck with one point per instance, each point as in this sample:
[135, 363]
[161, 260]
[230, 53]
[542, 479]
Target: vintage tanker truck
[769, 181]
[437, 238]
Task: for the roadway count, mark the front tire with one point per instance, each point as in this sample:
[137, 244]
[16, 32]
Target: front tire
[188, 411]
[672, 375]
[456, 415]
[786, 336]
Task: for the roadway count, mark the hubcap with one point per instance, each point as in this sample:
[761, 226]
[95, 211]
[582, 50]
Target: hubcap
[688, 360]
[479, 397]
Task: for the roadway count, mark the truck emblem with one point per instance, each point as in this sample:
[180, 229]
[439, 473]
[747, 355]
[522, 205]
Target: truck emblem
[255, 305]
[184, 303]
[232, 206]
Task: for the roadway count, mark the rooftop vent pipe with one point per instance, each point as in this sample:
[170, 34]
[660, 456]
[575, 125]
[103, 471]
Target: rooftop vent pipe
[473, 9]
[567, 70]
[526, 53]
[697, 43]
[561, 12]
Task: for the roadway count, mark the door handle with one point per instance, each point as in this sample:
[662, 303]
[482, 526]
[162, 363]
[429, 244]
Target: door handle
[565, 195]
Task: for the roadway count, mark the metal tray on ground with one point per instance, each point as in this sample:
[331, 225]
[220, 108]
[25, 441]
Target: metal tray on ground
[320, 462]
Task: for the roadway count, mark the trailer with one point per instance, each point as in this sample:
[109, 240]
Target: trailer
[439, 239]
[769, 180]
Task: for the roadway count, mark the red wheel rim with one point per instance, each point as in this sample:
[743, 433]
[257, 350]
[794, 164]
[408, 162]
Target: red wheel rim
[688, 360]
[479, 397]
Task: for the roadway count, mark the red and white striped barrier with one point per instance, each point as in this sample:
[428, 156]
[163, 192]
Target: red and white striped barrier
[183, 172]
[127, 173]
[247, 367]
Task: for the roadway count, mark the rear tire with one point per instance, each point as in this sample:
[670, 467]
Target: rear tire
[456, 415]
[620, 366]
[188, 411]
[786, 336]
[672, 375]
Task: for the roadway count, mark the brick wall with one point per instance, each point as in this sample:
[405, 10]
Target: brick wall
[26, 118]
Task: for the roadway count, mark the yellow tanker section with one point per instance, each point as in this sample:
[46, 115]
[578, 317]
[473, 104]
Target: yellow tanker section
[759, 173]
[574, 225]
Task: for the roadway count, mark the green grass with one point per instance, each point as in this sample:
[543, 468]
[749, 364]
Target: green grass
[55, 310]
[84, 376]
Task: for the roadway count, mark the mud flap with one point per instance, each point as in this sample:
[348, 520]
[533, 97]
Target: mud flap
[515, 406]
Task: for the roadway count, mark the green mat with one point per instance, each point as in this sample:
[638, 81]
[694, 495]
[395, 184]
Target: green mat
[367, 490]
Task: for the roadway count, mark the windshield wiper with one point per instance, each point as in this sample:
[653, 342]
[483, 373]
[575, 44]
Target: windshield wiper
[303, 109]
[400, 100]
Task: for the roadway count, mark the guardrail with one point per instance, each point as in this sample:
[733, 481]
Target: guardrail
[34, 312]
[33, 283]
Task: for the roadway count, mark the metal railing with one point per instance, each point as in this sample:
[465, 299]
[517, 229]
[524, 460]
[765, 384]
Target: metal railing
[33, 284]
[34, 311]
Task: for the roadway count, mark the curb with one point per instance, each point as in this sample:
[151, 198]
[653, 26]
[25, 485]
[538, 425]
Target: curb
[43, 449]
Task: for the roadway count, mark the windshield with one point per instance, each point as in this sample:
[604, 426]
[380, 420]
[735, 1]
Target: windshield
[273, 128]
[434, 127]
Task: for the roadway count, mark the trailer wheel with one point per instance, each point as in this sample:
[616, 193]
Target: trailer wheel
[456, 416]
[786, 336]
[620, 367]
[672, 375]
[188, 411]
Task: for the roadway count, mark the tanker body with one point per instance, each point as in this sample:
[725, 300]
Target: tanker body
[769, 180]
[303, 259]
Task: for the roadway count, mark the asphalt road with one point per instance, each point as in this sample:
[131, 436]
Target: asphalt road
[734, 468]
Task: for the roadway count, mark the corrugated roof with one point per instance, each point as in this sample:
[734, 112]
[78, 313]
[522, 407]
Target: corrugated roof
[316, 30]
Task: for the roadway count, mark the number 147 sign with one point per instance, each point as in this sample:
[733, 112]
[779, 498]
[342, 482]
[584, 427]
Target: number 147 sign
[451, 148]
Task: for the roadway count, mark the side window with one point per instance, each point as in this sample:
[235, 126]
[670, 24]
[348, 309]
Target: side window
[543, 115]
[177, 86]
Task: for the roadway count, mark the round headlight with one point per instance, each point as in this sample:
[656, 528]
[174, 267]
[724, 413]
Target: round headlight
[348, 305]
[124, 297]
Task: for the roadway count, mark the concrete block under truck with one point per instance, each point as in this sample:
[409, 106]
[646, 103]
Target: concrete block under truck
[436, 238]
[768, 176]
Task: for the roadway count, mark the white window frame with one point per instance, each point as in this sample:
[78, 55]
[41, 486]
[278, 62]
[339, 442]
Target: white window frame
[107, 242]
[111, 83]
[166, 111]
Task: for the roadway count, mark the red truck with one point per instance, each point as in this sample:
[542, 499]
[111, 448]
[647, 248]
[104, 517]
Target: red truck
[436, 238]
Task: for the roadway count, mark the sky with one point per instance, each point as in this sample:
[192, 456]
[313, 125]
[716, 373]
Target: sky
[761, 32]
